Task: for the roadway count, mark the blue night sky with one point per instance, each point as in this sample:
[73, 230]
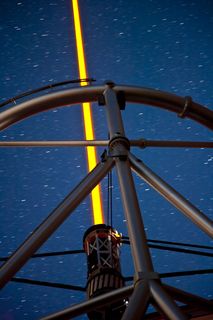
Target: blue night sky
[165, 45]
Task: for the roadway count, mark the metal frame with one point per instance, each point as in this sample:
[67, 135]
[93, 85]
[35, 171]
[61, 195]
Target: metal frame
[147, 285]
[140, 95]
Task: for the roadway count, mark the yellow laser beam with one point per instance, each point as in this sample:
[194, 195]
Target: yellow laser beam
[97, 209]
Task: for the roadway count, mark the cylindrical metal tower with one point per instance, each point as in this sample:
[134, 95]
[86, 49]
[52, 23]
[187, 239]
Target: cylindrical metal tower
[102, 246]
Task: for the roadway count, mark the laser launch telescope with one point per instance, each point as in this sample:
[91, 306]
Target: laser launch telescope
[102, 246]
[108, 295]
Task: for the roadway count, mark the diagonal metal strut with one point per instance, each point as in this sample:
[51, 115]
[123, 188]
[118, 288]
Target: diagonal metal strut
[188, 209]
[53, 221]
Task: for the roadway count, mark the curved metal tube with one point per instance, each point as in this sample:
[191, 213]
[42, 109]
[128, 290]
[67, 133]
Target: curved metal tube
[146, 96]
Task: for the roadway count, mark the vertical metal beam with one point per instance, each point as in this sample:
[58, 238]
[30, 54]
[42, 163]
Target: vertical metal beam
[113, 113]
[137, 236]
[53, 221]
[119, 149]
[188, 209]
[164, 302]
[138, 302]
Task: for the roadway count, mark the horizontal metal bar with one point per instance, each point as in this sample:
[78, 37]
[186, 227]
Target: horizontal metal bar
[49, 284]
[54, 143]
[185, 273]
[143, 143]
[69, 252]
[169, 248]
[91, 304]
[50, 254]
[177, 274]
[134, 143]
[181, 244]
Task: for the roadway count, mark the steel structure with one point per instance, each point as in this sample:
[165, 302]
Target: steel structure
[147, 287]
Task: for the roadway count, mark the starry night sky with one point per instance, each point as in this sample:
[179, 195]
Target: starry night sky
[165, 45]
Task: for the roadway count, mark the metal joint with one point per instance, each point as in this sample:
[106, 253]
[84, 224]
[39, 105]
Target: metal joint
[121, 99]
[145, 276]
[101, 98]
[119, 147]
[109, 83]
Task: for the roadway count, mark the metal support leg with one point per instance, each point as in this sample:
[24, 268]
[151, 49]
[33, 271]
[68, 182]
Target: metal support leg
[113, 113]
[53, 221]
[203, 222]
[138, 302]
[91, 304]
[137, 236]
[119, 149]
[165, 303]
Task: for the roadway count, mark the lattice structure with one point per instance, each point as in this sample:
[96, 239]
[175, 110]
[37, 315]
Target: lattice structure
[102, 246]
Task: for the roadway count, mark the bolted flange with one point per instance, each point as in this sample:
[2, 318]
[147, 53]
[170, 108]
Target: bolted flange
[119, 146]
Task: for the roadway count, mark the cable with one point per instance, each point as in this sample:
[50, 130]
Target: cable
[178, 274]
[185, 273]
[79, 288]
[169, 248]
[109, 199]
[108, 222]
[50, 86]
[50, 254]
[176, 243]
[181, 244]
[49, 284]
[110, 196]
[196, 252]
